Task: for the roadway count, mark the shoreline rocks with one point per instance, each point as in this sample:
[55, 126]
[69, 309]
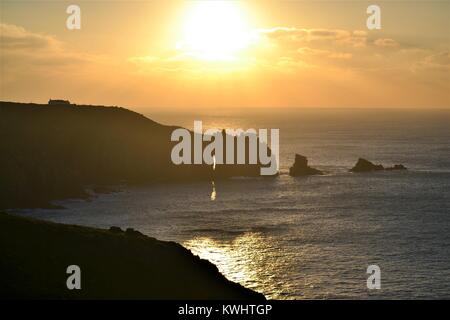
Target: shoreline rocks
[301, 168]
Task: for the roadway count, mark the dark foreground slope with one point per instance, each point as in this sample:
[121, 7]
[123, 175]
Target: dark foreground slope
[54, 151]
[35, 255]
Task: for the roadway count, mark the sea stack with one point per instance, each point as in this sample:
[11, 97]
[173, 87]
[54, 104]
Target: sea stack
[301, 168]
[364, 165]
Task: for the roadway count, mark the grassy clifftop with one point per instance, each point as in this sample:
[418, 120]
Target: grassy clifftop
[114, 265]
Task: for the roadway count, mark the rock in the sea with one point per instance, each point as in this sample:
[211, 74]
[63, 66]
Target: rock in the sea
[364, 165]
[397, 167]
[301, 168]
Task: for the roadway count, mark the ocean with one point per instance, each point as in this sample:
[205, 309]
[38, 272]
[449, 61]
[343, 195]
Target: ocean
[307, 237]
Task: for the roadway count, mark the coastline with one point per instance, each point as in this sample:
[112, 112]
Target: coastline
[114, 265]
[56, 151]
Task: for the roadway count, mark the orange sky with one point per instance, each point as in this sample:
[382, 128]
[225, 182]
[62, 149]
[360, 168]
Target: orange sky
[194, 54]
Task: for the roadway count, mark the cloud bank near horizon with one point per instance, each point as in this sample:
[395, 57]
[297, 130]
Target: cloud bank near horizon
[287, 66]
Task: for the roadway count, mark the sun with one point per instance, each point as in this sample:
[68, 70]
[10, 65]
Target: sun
[215, 30]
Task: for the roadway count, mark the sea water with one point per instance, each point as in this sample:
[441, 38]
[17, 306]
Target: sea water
[308, 237]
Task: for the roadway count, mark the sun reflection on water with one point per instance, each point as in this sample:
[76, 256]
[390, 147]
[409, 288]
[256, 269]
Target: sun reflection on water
[245, 259]
[213, 192]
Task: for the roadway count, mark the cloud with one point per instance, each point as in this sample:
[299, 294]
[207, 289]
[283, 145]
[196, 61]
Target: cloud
[278, 33]
[386, 42]
[439, 62]
[350, 49]
[278, 48]
[144, 59]
[186, 64]
[441, 59]
[14, 37]
[296, 36]
[22, 48]
[301, 51]
[46, 66]
[306, 51]
[294, 64]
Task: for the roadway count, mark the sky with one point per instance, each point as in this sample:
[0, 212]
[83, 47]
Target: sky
[227, 54]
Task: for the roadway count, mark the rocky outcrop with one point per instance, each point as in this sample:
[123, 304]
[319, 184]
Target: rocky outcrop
[397, 167]
[363, 165]
[301, 168]
[56, 152]
[114, 264]
[115, 229]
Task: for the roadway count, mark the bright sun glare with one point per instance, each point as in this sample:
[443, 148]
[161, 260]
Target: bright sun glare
[215, 30]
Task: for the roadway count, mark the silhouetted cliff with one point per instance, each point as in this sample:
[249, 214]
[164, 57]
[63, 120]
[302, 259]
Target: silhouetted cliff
[114, 265]
[54, 151]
